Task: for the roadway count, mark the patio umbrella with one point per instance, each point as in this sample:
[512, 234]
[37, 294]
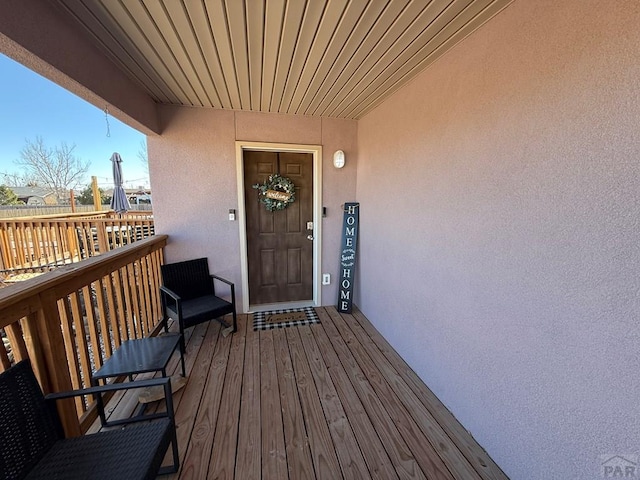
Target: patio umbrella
[119, 201]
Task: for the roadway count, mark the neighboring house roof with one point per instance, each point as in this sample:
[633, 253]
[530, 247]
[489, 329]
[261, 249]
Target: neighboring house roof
[26, 192]
[35, 195]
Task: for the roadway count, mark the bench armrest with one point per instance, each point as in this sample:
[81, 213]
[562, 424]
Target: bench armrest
[111, 387]
[170, 292]
[224, 280]
[231, 285]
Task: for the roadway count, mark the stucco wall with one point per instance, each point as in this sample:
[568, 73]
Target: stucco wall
[193, 173]
[502, 189]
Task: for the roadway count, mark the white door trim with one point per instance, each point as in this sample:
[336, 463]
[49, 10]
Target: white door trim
[316, 151]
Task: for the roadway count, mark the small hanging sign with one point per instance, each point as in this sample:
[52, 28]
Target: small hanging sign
[276, 195]
[348, 256]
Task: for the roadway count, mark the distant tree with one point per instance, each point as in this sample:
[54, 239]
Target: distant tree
[143, 155]
[55, 168]
[86, 196]
[18, 180]
[7, 197]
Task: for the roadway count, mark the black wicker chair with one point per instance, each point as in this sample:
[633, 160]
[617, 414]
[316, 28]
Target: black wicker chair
[32, 444]
[189, 296]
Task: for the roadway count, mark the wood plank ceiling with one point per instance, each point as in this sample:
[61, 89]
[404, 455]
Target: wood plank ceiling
[336, 58]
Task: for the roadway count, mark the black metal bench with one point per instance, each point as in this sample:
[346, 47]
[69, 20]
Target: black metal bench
[32, 443]
[188, 295]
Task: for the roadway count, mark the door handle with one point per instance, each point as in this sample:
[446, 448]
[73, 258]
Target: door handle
[309, 237]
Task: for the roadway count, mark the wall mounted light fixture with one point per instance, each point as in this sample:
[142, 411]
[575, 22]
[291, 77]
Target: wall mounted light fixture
[338, 159]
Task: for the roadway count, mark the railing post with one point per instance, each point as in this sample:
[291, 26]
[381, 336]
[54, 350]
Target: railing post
[31, 337]
[103, 244]
[97, 199]
[52, 347]
[4, 248]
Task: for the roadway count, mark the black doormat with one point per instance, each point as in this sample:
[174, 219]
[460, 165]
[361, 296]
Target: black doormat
[284, 318]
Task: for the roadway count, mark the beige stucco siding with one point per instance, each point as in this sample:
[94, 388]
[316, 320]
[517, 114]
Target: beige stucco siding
[194, 178]
[502, 185]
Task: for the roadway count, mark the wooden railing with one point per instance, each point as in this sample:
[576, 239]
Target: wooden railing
[32, 243]
[70, 320]
[11, 211]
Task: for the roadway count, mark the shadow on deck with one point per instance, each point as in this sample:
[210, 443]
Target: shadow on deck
[331, 400]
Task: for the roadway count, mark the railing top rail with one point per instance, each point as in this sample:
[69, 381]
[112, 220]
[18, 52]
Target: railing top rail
[61, 216]
[76, 220]
[80, 215]
[24, 297]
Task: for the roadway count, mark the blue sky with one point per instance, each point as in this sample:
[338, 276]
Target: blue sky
[32, 106]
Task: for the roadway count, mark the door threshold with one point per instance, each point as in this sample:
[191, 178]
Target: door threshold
[280, 306]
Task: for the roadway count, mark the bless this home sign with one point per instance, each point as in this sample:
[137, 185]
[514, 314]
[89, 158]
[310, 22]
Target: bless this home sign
[348, 256]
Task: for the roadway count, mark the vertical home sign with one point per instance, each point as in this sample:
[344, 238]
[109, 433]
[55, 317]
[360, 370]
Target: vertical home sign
[348, 256]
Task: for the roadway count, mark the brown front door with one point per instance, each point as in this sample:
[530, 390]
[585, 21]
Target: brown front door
[279, 250]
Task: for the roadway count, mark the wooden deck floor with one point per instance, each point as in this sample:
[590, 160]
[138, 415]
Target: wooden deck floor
[326, 401]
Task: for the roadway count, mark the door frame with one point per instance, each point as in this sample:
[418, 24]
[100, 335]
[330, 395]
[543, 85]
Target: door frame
[316, 151]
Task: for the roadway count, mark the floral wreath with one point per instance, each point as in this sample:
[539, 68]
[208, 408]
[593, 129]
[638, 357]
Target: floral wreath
[276, 193]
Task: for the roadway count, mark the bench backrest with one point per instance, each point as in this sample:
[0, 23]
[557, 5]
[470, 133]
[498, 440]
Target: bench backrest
[28, 427]
[189, 279]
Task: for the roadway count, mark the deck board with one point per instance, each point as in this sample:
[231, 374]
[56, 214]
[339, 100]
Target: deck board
[403, 396]
[330, 400]
[300, 464]
[274, 457]
[325, 460]
[198, 454]
[461, 438]
[374, 452]
[399, 452]
[419, 444]
[248, 459]
[222, 464]
[350, 456]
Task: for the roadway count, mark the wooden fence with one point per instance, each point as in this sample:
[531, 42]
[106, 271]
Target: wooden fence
[12, 211]
[69, 321]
